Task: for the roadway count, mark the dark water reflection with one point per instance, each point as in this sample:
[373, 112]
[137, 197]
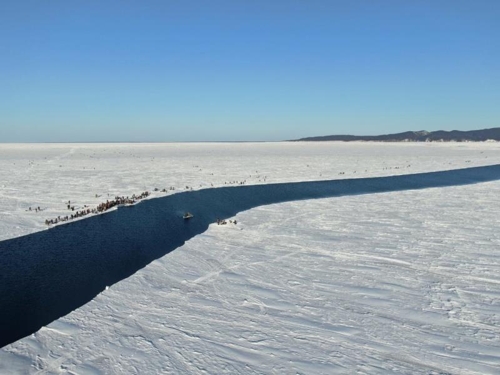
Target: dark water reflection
[46, 275]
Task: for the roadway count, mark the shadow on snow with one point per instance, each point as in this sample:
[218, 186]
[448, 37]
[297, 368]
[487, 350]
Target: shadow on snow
[46, 275]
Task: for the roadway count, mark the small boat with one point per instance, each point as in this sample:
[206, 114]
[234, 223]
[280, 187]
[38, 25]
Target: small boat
[187, 215]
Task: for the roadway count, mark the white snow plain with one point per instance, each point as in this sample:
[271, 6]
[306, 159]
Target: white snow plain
[393, 283]
[50, 175]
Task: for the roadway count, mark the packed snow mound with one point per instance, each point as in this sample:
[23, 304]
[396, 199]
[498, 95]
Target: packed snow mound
[48, 274]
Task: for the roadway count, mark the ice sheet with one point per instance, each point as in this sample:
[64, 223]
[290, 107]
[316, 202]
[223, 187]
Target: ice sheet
[394, 283]
[50, 175]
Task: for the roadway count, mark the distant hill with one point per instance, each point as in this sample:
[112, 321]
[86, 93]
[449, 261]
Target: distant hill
[419, 136]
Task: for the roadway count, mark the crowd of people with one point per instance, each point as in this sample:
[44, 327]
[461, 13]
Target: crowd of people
[121, 200]
[102, 207]
[99, 209]
[165, 190]
[134, 198]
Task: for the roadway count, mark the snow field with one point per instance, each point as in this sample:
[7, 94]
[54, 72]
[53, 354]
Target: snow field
[394, 283]
[50, 175]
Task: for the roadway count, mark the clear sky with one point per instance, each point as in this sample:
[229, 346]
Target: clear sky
[245, 70]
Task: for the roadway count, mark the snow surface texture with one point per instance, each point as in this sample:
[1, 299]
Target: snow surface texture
[48, 274]
[395, 282]
[48, 175]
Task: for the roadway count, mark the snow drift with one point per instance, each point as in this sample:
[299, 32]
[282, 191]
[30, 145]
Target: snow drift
[46, 275]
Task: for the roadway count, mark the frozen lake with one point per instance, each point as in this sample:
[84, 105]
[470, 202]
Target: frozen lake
[50, 175]
[401, 282]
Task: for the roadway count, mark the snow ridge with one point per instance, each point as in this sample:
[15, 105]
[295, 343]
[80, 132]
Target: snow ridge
[46, 275]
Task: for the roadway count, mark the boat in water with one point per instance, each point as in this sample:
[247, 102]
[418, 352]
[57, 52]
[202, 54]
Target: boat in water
[187, 215]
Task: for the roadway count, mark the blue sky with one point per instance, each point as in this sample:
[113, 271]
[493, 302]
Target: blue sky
[125, 70]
